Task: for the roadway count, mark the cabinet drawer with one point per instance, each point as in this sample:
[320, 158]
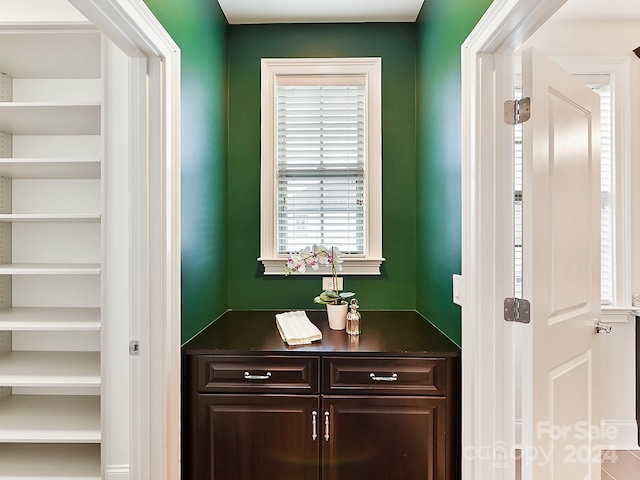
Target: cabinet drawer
[265, 374]
[384, 375]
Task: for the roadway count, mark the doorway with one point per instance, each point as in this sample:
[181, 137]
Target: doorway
[147, 253]
[487, 63]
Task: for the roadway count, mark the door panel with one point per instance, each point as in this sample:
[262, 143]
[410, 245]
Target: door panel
[570, 394]
[266, 437]
[569, 176]
[561, 273]
[384, 438]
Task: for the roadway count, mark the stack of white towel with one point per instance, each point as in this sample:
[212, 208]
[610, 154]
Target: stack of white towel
[296, 329]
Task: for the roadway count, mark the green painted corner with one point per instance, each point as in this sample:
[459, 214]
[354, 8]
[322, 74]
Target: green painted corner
[442, 28]
[221, 157]
[200, 30]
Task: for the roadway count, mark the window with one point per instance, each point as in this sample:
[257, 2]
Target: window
[602, 87]
[321, 162]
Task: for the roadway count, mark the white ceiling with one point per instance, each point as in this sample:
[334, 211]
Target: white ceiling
[309, 11]
[599, 10]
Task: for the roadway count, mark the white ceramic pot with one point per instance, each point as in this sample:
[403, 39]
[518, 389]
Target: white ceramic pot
[337, 315]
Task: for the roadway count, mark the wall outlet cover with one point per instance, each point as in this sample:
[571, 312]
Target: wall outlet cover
[457, 289]
[327, 283]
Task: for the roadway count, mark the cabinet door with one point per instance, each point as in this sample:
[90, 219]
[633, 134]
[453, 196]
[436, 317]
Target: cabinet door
[399, 438]
[250, 437]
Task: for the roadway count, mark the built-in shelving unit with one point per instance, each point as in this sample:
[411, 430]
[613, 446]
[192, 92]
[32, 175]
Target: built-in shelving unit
[51, 261]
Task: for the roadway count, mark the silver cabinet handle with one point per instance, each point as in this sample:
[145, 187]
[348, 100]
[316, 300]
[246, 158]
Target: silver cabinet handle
[326, 426]
[248, 376]
[600, 327]
[314, 425]
[392, 378]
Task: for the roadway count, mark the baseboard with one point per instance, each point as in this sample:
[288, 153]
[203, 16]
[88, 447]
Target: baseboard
[616, 435]
[619, 435]
[117, 472]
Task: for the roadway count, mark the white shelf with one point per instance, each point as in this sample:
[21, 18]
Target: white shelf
[49, 369]
[49, 218]
[70, 462]
[50, 168]
[50, 319]
[50, 269]
[49, 118]
[50, 419]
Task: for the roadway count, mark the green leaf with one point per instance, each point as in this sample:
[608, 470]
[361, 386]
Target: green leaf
[319, 300]
[329, 296]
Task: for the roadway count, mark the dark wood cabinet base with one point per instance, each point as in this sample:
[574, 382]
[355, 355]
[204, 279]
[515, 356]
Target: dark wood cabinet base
[383, 405]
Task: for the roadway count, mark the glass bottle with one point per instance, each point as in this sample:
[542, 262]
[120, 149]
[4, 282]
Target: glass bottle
[353, 318]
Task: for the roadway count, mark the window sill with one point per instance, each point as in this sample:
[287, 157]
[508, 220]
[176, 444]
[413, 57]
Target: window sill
[618, 314]
[350, 266]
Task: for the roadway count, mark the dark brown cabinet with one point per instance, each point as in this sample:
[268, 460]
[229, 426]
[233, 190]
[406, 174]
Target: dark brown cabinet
[396, 438]
[379, 406]
[256, 437]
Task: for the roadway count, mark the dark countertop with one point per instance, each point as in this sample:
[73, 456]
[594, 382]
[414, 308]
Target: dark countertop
[383, 333]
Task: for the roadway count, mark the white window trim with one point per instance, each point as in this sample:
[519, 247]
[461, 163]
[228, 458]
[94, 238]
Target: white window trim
[371, 68]
[618, 69]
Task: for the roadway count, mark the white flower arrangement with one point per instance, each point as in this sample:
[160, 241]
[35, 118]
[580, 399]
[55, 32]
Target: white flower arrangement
[315, 257]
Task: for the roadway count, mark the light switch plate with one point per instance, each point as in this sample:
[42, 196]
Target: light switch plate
[457, 289]
[327, 283]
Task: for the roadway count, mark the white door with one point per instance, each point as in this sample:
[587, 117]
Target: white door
[561, 274]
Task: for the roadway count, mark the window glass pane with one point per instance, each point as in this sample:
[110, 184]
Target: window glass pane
[517, 204]
[606, 189]
[320, 165]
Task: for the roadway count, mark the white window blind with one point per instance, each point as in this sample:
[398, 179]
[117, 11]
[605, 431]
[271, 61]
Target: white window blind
[320, 162]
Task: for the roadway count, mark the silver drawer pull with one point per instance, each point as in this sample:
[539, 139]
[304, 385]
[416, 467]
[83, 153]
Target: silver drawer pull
[248, 376]
[314, 425]
[392, 378]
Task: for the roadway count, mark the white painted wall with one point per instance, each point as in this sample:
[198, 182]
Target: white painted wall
[618, 377]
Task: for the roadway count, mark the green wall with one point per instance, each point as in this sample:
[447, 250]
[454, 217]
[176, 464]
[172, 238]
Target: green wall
[200, 30]
[442, 28]
[221, 157]
[395, 43]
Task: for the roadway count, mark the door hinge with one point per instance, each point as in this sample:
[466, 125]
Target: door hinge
[517, 310]
[134, 348]
[517, 111]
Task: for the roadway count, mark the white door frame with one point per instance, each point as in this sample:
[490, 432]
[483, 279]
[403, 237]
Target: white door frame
[154, 146]
[488, 401]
